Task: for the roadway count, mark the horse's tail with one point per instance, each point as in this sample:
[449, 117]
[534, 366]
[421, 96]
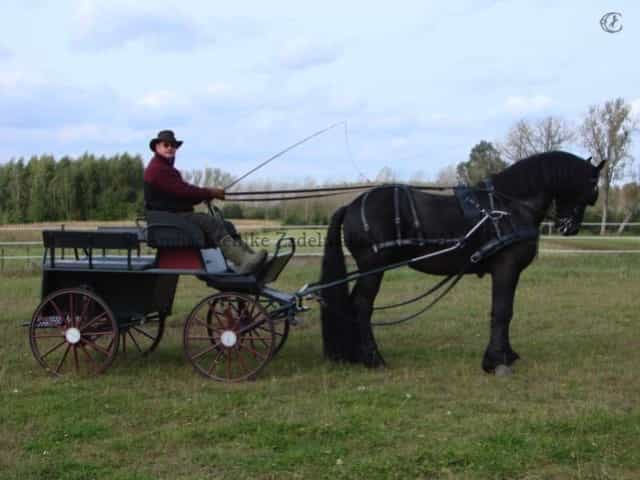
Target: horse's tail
[337, 311]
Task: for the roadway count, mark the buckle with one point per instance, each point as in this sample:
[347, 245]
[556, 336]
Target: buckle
[497, 214]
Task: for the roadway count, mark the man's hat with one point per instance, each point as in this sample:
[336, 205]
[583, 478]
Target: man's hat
[164, 136]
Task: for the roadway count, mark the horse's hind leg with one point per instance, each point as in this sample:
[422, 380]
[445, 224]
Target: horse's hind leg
[362, 298]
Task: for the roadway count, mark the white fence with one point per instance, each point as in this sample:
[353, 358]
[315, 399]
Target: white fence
[30, 252]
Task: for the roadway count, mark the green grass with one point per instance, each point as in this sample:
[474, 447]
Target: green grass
[569, 411]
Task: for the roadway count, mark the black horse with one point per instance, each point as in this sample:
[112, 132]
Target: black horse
[391, 224]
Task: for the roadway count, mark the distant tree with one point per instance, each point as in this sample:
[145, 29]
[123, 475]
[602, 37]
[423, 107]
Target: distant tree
[519, 142]
[232, 210]
[484, 159]
[17, 194]
[309, 182]
[386, 175]
[209, 177]
[214, 177]
[61, 190]
[41, 172]
[525, 139]
[418, 177]
[553, 133]
[447, 176]
[630, 203]
[71, 189]
[606, 132]
[197, 178]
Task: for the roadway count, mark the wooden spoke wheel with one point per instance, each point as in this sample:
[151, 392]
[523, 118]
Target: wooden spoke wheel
[280, 325]
[142, 335]
[229, 337]
[73, 331]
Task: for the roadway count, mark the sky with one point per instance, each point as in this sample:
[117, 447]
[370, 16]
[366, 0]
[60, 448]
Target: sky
[413, 85]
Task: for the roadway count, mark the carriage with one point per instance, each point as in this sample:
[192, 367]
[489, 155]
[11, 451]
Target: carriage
[100, 295]
[93, 304]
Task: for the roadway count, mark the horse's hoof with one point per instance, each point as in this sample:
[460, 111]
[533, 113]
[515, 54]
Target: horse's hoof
[373, 360]
[492, 360]
[503, 371]
[375, 363]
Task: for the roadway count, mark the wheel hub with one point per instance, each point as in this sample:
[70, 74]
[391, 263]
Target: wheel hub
[72, 335]
[228, 338]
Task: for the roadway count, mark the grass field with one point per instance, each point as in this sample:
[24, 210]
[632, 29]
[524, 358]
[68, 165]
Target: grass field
[569, 411]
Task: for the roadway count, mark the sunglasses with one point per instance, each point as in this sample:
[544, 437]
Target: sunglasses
[169, 145]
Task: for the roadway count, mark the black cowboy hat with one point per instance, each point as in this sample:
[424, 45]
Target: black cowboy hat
[164, 136]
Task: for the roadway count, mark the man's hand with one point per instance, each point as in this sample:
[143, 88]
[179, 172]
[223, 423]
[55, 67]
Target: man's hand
[217, 193]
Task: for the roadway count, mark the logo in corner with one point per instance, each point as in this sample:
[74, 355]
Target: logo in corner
[611, 22]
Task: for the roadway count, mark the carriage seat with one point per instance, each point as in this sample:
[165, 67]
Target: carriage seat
[170, 230]
[91, 243]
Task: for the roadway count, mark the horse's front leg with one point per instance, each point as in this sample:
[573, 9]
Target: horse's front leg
[499, 355]
[362, 298]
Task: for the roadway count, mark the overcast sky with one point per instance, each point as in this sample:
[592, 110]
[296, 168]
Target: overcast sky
[419, 83]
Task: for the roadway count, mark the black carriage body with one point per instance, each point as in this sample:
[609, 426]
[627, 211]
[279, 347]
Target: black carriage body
[134, 285]
[127, 283]
[129, 294]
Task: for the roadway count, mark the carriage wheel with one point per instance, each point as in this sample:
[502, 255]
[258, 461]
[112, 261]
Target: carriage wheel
[281, 325]
[144, 335]
[229, 337]
[73, 331]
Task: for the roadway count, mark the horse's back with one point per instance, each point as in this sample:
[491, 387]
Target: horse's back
[379, 214]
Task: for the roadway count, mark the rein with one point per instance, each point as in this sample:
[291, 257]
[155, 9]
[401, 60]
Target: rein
[332, 192]
[456, 278]
[293, 197]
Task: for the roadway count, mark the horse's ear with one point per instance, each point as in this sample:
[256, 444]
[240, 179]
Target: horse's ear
[600, 165]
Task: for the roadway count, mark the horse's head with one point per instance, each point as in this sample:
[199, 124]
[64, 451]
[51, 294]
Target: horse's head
[572, 202]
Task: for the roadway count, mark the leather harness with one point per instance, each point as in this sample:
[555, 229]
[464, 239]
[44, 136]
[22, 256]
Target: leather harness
[505, 231]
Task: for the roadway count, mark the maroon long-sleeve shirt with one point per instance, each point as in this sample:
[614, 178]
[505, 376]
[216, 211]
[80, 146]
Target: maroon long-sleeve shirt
[164, 188]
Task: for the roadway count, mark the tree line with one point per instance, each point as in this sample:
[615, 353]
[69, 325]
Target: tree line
[110, 188]
[85, 188]
[606, 131]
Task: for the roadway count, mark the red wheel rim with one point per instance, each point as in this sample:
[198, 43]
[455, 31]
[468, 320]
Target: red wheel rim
[143, 335]
[73, 331]
[280, 325]
[229, 337]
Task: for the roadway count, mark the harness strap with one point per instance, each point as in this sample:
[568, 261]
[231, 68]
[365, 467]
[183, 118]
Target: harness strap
[397, 207]
[492, 207]
[412, 205]
[497, 244]
[465, 195]
[365, 225]
[417, 242]
[452, 279]
[363, 216]
[415, 299]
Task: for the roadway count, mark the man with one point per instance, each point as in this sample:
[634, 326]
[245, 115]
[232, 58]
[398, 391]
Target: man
[164, 189]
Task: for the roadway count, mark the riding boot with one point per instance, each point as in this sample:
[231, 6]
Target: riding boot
[246, 247]
[244, 262]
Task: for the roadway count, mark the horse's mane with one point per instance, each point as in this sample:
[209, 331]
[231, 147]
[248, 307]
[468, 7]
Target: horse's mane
[554, 171]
